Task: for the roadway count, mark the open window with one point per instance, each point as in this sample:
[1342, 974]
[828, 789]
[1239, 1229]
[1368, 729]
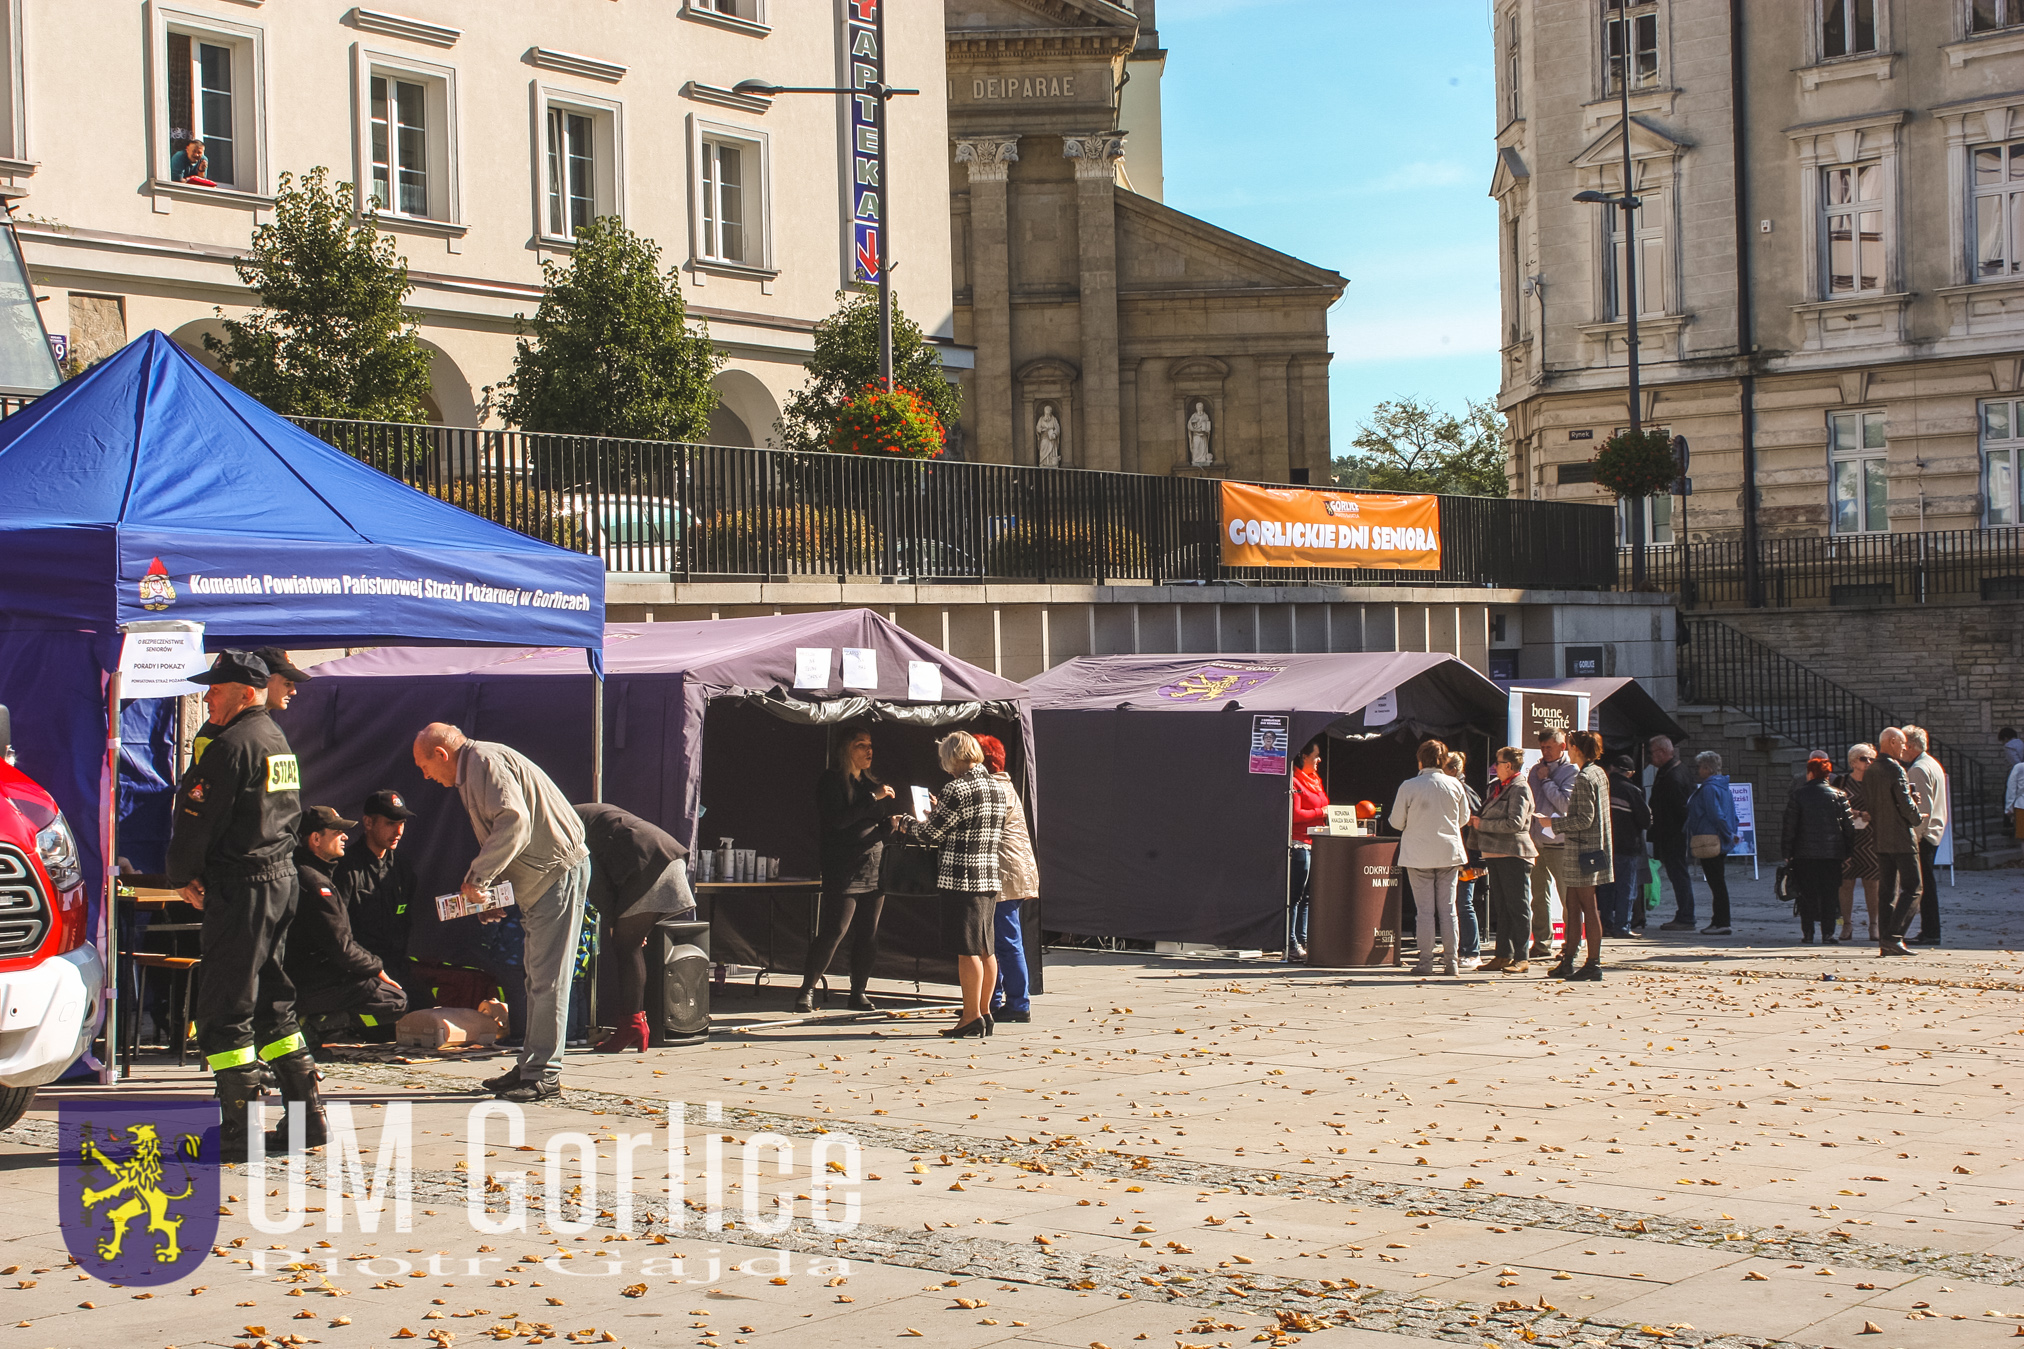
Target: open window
[581, 147]
[211, 114]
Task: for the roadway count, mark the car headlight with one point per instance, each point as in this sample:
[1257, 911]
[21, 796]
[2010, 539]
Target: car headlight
[58, 850]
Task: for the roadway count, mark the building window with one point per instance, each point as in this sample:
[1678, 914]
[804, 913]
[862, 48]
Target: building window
[400, 146]
[1999, 209]
[2002, 463]
[1986, 16]
[1630, 31]
[1514, 278]
[1512, 106]
[1859, 459]
[724, 200]
[1648, 233]
[210, 114]
[1847, 27]
[13, 102]
[1851, 205]
[1658, 522]
[580, 169]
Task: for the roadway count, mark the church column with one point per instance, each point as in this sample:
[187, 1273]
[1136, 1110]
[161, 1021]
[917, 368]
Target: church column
[1096, 157]
[990, 160]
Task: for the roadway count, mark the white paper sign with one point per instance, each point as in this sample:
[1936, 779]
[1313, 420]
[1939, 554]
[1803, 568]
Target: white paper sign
[924, 681]
[158, 664]
[860, 667]
[923, 802]
[811, 667]
[1382, 710]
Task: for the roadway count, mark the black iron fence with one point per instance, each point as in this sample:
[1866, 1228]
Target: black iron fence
[709, 511]
[1844, 569]
[1722, 667]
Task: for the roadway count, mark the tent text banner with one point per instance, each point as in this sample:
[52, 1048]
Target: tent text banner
[1306, 527]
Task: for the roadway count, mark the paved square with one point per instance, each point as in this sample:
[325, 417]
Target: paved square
[1735, 1141]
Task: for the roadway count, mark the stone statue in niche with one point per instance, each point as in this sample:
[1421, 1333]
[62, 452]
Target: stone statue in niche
[1047, 437]
[1199, 428]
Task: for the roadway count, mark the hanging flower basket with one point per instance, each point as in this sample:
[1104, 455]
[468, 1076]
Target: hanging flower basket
[1636, 464]
[894, 423]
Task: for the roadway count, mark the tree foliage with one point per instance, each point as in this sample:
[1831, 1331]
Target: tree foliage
[1409, 445]
[612, 353]
[846, 359]
[330, 338]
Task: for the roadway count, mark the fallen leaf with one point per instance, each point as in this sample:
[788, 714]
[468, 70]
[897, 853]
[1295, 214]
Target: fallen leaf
[1754, 1277]
[1870, 1328]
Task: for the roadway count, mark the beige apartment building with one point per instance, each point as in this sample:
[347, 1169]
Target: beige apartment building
[490, 133]
[1830, 255]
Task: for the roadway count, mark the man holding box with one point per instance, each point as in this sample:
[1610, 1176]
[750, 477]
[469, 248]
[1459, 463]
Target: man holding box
[529, 836]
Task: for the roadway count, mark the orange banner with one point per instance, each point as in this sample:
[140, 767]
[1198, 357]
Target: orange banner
[1306, 527]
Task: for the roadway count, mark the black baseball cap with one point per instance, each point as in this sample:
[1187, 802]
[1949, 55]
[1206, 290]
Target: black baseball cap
[278, 663]
[235, 667]
[316, 819]
[388, 805]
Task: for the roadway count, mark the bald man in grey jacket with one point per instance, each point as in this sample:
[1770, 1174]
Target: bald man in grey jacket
[528, 835]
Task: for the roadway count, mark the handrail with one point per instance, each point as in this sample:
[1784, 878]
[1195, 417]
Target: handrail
[1722, 667]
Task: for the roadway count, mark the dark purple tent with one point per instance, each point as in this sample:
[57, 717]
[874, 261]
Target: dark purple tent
[1154, 826]
[1620, 709]
[704, 734]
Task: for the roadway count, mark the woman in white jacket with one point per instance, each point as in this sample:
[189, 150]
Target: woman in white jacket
[1429, 812]
[1019, 878]
[2013, 797]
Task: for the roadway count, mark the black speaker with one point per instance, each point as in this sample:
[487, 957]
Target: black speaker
[678, 983]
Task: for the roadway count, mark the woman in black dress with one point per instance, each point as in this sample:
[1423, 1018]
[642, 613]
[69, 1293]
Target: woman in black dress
[856, 811]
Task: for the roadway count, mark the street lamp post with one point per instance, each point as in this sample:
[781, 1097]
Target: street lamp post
[885, 94]
[1628, 201]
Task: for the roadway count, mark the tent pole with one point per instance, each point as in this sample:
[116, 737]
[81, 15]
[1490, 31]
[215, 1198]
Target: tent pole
[596, 796]
[108, 911]
[1286, 869]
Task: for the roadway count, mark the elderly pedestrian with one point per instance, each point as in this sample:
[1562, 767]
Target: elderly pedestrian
[1429, 812]
[2012, 745]
[2013, 798]
[1629, 817]
[1586, 858]
[1472, 876]
[1711, 830]
[1504, 833]
[1018, 881]
[1819, 835]
[1860, 865]
[1929, 788]
[530, 837]
[1551, 779]
[1894, 816]
[1671, 786]
[968, 822]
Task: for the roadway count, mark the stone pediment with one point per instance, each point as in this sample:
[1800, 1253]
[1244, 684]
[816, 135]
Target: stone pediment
[1646, 142]
[1162, 250]
[992, 24]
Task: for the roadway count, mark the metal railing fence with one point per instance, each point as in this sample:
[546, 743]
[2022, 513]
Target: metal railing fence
[1840, 569]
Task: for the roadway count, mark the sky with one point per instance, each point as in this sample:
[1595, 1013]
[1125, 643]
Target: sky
[1355, 134]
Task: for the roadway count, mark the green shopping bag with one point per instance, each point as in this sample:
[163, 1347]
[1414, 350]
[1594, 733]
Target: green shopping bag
[1648, 884]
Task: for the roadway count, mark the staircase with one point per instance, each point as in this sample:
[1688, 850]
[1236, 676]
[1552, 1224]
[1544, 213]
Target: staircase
[1742, 698]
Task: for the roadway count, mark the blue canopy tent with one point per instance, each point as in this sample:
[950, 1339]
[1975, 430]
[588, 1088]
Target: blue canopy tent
[151, 489]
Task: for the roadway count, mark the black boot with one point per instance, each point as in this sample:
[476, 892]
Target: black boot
[237, 1088]
[1565, 968]
[298, 1075]
[859, 1001]
[804, 1001]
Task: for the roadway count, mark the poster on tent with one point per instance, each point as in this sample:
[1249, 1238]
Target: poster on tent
[156, 660]
[1268, 743]
[1532, 711]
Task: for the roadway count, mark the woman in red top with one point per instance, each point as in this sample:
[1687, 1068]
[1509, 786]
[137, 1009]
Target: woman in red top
[1310, 808]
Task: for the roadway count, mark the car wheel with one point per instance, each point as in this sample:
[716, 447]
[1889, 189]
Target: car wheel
[14, 1104]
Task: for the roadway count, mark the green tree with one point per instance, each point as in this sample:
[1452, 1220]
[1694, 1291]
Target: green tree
[330, 338]
[1409, 445]
[846, 359]
[612, 353]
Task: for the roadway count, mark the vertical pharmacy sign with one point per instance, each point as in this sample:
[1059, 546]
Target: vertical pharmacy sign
[864, 26]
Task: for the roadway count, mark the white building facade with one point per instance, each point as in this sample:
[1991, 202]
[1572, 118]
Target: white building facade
[488, 134]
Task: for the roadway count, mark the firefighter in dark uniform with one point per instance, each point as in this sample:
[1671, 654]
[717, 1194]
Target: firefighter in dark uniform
[335, 978]
[379, 886]
[282, 679]
[232, 854]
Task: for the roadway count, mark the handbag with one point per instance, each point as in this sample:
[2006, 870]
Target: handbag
[908, 868]
[1592, 859]
[1704, 846]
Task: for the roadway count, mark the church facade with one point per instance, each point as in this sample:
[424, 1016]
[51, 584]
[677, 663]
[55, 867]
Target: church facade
[1112, 331]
